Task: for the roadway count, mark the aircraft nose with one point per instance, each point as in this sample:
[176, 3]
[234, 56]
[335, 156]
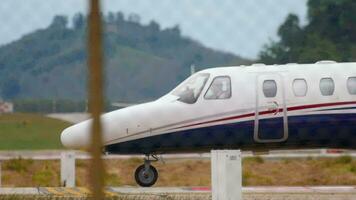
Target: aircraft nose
[76, 137]
[66, 138]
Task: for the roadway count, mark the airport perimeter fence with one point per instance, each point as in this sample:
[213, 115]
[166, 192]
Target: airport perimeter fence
[147, 47]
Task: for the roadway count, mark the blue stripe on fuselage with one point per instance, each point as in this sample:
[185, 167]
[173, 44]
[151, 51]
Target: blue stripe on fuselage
[331, 109]
[307, 131]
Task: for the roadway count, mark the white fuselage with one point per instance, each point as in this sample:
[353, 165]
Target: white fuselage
[278, 106]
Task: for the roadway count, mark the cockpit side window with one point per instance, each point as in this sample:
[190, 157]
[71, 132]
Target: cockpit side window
[189, 91]
[220, 88]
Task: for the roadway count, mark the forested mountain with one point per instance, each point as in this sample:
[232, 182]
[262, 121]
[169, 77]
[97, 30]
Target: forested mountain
[141, 61]
[329, 34]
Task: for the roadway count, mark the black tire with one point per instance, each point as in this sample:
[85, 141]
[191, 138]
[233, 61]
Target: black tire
[146, 180]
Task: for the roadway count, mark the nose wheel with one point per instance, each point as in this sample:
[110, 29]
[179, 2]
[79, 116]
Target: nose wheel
[146, 175]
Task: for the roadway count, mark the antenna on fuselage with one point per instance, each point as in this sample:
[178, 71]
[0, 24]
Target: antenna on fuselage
[192, 69]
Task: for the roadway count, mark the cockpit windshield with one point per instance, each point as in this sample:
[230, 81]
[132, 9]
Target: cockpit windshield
[190, 89]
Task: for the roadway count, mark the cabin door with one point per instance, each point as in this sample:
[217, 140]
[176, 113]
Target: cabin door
[271, 121]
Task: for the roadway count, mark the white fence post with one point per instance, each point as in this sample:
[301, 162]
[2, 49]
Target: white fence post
[68, 169]
[226, 174]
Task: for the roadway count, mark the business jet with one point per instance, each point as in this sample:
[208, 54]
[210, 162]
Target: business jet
[255, 107]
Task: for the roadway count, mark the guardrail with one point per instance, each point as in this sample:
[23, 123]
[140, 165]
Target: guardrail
[68, 158]
[80, 155]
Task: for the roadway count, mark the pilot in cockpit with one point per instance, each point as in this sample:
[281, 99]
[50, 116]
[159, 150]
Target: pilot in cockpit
[219, 90]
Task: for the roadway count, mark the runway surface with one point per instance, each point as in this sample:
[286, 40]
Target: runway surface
[70, 117]
[332, 191]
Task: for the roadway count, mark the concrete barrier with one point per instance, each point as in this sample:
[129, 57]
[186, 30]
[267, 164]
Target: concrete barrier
[226, 174]
[68, 169]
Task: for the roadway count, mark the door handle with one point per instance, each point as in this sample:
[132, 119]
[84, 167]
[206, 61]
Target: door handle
[273, 107]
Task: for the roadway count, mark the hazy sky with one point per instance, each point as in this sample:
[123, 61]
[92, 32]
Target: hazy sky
[238, 26]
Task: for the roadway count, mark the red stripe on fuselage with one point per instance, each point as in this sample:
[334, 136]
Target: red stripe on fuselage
[270, 112]
[320, 105]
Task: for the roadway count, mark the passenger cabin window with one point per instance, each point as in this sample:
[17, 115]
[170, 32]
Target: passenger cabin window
[190, 89]
[327, 86]
[351, 85]
[269, 88]
[220, 88]
[300, 87]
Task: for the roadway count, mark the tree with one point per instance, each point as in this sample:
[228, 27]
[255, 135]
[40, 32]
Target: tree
[335, 20]
[120, 17]
[273, 53]
[78, 21]
[330, 34]
[154, 26]
[111, 17]
[318, 48]
[290, 31]
[135, 18]
[11, 88]
[175, 30]
[59, 21]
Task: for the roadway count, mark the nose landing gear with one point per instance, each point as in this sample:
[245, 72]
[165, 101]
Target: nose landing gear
[146, 175]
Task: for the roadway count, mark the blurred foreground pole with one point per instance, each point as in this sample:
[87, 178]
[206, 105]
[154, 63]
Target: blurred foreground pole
[0, 173]
[96, 98]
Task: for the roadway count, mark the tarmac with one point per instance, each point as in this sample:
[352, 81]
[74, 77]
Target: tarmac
[271, 193]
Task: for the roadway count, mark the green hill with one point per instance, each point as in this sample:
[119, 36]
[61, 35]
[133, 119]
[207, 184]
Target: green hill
[141, 61]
